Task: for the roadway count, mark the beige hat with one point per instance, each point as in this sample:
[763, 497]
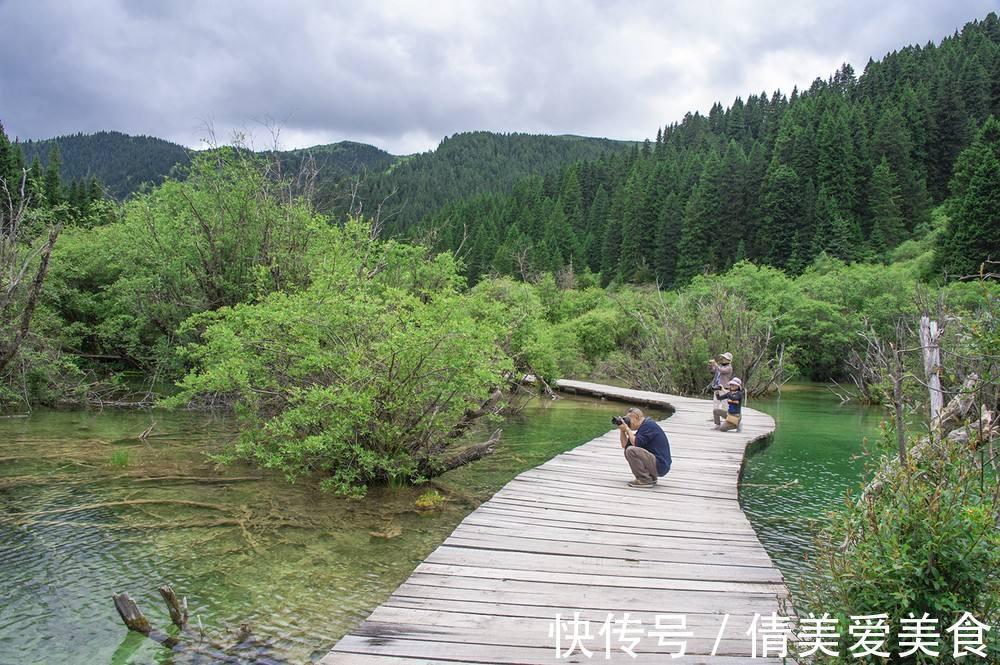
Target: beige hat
[727, 356]
[736, 381]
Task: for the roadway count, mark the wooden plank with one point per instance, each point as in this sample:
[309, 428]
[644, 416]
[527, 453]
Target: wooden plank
[663, 521]
[524, 610]
[507, 631]
[489, 654]
[623, 566]
[527, 581]
[571, 536]
[513, 517]
[643, 552]
[621, 523]
[607, 539]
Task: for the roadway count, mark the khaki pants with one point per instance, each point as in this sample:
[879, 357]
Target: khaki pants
[643, 464]
[720, 420]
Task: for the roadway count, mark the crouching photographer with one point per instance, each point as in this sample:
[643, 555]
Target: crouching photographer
[647, 449]
[732, 412]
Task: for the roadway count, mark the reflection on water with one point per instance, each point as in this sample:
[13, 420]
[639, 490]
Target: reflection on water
[87, 509]
[806, 469]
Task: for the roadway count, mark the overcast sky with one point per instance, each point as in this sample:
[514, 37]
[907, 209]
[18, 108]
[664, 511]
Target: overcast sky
[402, 75]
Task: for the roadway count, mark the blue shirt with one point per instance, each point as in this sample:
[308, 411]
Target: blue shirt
[652, 437]
[735, 399]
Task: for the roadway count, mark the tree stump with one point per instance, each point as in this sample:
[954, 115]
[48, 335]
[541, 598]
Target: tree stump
[130, 613]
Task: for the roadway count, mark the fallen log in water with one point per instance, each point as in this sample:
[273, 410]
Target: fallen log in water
[131, 615]
[188, 641]
[178, 611]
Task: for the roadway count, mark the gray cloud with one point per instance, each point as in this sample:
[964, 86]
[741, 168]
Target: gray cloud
[401, 75]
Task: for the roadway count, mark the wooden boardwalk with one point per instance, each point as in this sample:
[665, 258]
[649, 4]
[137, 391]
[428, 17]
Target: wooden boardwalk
[571, 537]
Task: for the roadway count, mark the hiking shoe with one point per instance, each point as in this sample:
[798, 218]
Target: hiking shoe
[641, 483]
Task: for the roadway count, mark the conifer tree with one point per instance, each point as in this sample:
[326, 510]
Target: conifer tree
[733, 204]
[639, 218]
[597, 220]
[893, 141]
[668, 232]
[612, 238]
[94, 190]
[948, 131]
[35, 188]
[697, 249]
[836, 160]
[8, 162]
[52, 181]
[835, 233]
[783, 212]
[972, 234]
[887, 229]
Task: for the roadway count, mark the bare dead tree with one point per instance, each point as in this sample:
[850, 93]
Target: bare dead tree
[24, 263]
[664, 359]
[522, 258]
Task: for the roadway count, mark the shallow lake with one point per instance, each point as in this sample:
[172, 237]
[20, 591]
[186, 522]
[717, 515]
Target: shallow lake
[87, 509]
[804, 470]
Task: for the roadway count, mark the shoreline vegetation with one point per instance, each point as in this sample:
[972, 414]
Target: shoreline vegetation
[807, 234]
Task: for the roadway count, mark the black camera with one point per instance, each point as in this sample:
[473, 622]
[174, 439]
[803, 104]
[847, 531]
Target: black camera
[619, 420]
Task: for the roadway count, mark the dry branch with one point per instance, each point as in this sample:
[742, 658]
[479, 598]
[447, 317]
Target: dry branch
[471, 453]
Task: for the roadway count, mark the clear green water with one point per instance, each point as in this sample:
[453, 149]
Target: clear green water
[300, 566]
[804, 470]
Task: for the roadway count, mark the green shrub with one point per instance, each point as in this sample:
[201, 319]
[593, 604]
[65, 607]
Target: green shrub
[225, 234]
[364, 376]
[598, 332]
[927, 542]
[535, 345]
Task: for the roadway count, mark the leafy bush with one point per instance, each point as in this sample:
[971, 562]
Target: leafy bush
[226, 234]
[927, 542]
[600, 331]
[534, 344]
[364, 376]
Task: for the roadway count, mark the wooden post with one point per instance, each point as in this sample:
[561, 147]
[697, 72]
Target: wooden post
[130, 613]
[932, 364]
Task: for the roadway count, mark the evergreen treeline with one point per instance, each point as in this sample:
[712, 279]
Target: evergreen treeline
[462, 166]
[44, 186]
[851, 167]
[121, 163]
[349, 176]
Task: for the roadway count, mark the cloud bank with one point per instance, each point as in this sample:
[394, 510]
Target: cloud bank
[401, 75]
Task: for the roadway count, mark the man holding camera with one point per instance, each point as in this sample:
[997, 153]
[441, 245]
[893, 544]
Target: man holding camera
[647, 449]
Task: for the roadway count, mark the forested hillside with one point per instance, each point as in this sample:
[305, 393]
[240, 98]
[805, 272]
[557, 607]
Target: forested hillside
[853, 166]
[350, 176]
[465, 165]
[121, 163]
